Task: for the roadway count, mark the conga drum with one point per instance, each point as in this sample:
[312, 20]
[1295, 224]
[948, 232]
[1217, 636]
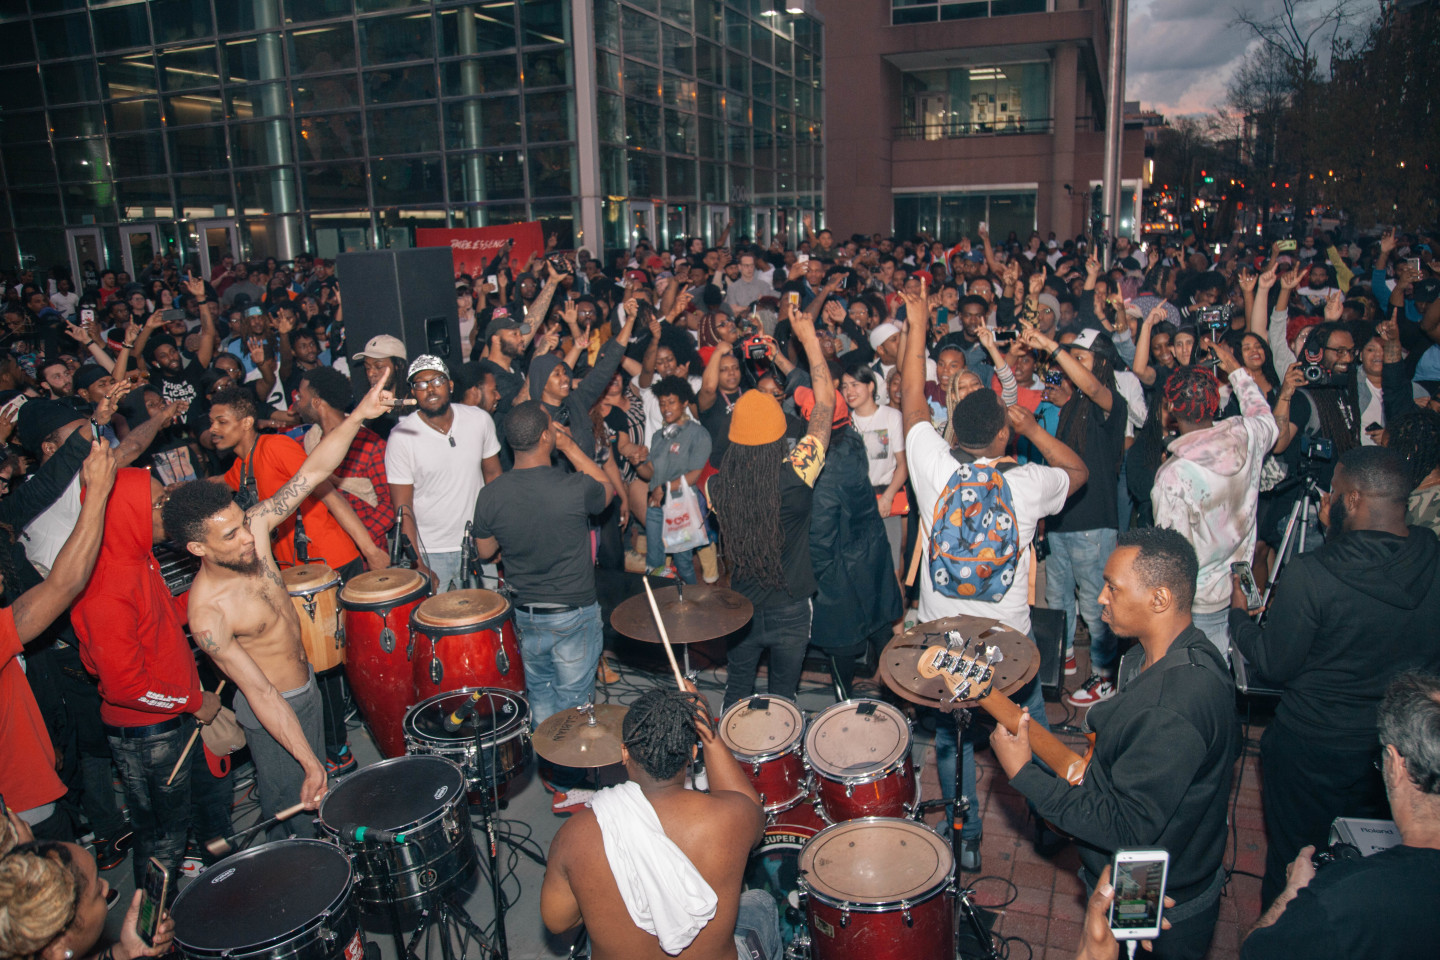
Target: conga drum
[315, 591]
[465, 638]
[379, 649]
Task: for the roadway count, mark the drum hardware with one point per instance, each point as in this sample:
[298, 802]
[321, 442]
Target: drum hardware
[566, 740]
[692, 614]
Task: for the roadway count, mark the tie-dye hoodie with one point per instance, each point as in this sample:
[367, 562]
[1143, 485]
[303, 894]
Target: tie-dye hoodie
[1207, 489]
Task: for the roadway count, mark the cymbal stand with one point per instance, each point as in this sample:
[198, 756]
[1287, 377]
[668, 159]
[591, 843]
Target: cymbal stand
[450, 921]
[488, 791]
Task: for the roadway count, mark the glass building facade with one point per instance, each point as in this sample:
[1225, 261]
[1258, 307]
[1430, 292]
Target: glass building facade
[263, 127]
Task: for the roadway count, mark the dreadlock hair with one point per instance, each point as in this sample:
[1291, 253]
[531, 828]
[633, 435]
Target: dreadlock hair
[1075, 415]
[1327, 401]
[1417, 439]
[1151, 440]
[746, 492]
[40, 890]
[1193, 394]
[661, 731]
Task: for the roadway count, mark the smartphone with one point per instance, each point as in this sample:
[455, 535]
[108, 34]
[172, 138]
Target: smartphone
[169, 316]
[1006, 337]
[13, 405]
[794, 298]
[492, 282]
[1139, 879]
[1285, 246]
[1414, 263]
[984, 227]
[802, 258]
[1248, 586]
[87, 315]
[156, 887]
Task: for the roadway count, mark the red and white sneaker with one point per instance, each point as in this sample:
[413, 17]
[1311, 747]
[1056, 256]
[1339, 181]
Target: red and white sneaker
[570, 801]
[1095, 690]
[1071, 667]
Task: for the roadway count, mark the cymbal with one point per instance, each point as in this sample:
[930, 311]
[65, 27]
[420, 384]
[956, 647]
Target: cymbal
[900, 659]
[706, 612]
[568, 739]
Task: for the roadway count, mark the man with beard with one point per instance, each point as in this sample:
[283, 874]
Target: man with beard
[322, 399]
[177, 377]
[241, 615]
[507, 339]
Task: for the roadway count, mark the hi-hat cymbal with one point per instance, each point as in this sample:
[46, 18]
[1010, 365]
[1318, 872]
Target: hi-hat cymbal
[569, 739]
[706, 612]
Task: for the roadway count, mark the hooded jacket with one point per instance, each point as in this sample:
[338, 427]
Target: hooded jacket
[574, 410]
[1209, 488]
[127, 622]
[1345, 620]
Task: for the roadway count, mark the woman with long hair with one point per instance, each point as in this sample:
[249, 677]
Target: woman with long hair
[882, 430]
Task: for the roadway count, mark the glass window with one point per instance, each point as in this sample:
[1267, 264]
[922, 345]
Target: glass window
[412, 180]
[131, 76]
[709, 100]
[784, 90]
[187, 69]
[489, 27]
[476, 75]
[709, 18]
[607, 69]
[642, 35]
[976, 100]
[641, 80]
[255, 189]
[552, 171]
[762, 42]
[335, 186]
[300, 11]
[393, 39]
[374, 6]
[400, 84]
[27, 126]
[712, 183]
[330, 137]
[121, 27]
[37, 204]
[547, 68]
[321, 51]
[557, 218]
[544, 21]
[739, 145]
[679, 50]
[179, 20]
[737, 30]
[612, 171]
[137, 195]
[198, 149]
[325, 93]
[644, 175]
[642, 125]
[680, 133]
[709, 64]
[202, 106]
[141, 156]
[62, 36]
[678, 10]
[256, 100]
[410, 129]
[680, 92]
[240, 60]
[711, 137]
[204, 196]
[548, 116]
[18, 47]
[784, 55]
[679, 178]
[28, 165]
[499, 123]
[70, 82]
[89, 203]
[738, 73]
[762, 82]
[737, 110]
[77, 122]
[259, 144]
[501, 175]
[611, 118]
[607, 23]
[1012, 211]
[134, 116]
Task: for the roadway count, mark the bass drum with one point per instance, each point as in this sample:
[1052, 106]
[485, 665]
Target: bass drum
[289, 900]
[774, 865]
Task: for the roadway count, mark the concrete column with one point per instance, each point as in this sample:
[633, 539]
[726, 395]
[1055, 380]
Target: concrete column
[274, 104]
[1064, 82]
[472, 174]
[587, 130]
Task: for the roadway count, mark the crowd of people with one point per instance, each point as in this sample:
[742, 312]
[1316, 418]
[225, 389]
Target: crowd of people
[856, 434]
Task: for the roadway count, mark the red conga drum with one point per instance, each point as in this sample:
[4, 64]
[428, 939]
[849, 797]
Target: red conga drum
[377, 630]
[465, 638]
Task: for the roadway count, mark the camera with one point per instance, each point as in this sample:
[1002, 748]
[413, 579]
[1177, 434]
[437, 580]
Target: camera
[1335, 853]
[1315, 375]
[1217, 319]
[755, 347]
[1317, 448]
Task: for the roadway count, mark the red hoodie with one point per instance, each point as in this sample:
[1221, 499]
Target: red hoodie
[130, 634]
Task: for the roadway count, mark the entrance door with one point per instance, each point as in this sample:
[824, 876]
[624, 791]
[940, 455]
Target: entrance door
[138, 243]
[762, 227]
[87, 255]
[642, 222]
[218, 239]
[715, 220]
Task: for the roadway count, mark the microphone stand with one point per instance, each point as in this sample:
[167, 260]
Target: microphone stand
[302, 542]
[468, 579]
[488, 803]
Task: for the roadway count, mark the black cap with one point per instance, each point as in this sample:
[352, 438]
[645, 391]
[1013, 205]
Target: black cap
[39, 418]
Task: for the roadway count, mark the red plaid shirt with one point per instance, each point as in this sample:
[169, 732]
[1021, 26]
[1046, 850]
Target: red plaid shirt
[366, 460]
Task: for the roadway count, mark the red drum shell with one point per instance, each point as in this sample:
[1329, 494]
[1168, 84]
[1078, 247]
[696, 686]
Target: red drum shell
[383, 682]
[483, 652]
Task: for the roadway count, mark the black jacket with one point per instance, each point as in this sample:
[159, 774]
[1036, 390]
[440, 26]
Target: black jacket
[1165, 749]
[1345, 620]
[857, 592]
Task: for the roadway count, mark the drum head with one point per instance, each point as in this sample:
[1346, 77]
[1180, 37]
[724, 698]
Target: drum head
[497, 714]
[857, 737]
[761, 726]
[460, 608]
[876, 860]
[379, 586]
[261, 895]
[392, 793]
[309, 577]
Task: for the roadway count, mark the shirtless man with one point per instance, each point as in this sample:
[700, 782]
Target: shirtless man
[715, 830]
[241, 615]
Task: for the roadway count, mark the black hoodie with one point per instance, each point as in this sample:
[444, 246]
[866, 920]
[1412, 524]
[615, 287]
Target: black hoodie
[1345, 620]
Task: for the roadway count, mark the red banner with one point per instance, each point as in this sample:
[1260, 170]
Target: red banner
[475, 247]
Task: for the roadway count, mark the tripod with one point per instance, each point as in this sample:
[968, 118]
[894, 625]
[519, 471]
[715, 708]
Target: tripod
[488, 802]
[1293, 541]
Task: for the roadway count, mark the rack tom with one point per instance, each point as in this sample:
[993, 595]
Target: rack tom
[766, 735]
[859, 751]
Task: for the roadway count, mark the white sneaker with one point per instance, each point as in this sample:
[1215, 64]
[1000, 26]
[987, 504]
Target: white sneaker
[571, 801]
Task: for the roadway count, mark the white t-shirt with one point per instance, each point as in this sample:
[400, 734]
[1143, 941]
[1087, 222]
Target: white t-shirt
[1133, 391]
[48, 532]
[1037, 491]
[444, 468]
[1374, 412]
[882, 432]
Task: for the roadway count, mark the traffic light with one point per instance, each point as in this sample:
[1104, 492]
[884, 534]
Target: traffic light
[1206, 177]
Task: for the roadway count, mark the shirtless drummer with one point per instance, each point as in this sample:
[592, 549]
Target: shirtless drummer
[241, 615]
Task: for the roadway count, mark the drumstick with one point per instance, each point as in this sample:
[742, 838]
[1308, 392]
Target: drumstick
[223, 845]
[664, 637]
[191, 742]
[915, 561]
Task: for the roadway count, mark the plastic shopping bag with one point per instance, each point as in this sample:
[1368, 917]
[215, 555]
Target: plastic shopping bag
[684, 520]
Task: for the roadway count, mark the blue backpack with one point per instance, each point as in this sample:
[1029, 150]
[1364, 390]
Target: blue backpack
[974, 537]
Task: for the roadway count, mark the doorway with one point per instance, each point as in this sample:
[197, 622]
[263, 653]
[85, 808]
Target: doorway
[86, 250]
[138, 244]
[218, 239]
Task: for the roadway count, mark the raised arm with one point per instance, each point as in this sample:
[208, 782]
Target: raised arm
[914, 408]
[1056, 454]
[710, 379]
[1078, 373]
[823, 416]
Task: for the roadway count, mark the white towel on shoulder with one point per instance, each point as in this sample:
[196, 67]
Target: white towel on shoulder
[665, 894]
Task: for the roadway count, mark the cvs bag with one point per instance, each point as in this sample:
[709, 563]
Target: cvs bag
[974, 540]
[684, 520]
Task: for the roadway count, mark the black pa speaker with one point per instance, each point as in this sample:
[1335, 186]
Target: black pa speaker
[1049, 628]
[409, 294]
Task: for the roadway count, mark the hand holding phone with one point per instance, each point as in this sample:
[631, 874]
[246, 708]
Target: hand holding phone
[1246, 577]
[154, 890]
[1139, 877]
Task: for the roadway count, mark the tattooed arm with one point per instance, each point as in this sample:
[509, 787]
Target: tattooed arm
[212, 634]
[322, 462]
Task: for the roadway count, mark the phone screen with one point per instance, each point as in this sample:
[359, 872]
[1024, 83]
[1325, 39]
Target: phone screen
[152, 904]
[1247, 583]
[1139, 892]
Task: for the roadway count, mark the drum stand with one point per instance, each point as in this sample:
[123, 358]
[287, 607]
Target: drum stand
[449, 920]
[965, 912]
[487, 820]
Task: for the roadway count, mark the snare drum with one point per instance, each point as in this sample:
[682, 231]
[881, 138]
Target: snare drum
[315, 591]
[774, 865]
[766, 734]
[859, 751]
[876, 889]
[379, 649]
[290, 900]
[503, 717]
[465, 638]
[421, 797]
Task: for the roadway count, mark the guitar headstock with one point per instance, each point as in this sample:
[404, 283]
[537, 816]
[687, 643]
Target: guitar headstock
[966, 668]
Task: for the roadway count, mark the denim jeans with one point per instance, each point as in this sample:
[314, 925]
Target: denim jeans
[1216, 626]
[561, 652]
[783, 628]
[446, 567]
[758, 915]
[1078, 560]
[159, 813]
[1030, 696]
[655, 546]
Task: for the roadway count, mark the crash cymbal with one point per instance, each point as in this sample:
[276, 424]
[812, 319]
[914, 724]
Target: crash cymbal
[705, 612]
[568, 739]
[900, 660]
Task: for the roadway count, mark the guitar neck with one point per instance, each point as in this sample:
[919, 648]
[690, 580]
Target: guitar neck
[1060, 758]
